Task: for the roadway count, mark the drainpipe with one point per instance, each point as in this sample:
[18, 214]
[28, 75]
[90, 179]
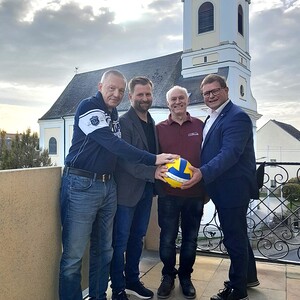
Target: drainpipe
[64, 130]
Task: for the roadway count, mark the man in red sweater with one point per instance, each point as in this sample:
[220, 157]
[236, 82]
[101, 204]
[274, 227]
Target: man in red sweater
[181, 134]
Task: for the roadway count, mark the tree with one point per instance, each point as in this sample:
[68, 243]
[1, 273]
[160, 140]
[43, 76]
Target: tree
[291, 190]
[3, 146]
[23, 153]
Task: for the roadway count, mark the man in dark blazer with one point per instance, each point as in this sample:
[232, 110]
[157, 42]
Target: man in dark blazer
[135, 193]
[228, 173]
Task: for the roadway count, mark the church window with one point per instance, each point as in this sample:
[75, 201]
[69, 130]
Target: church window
[242, 90]
[206, 17]
[240, 20]
[52, 146]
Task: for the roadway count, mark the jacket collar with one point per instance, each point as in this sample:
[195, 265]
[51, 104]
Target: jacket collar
[219, 118]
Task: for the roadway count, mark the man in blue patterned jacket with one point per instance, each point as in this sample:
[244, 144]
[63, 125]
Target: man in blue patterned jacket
[227, 170]
[88, 191]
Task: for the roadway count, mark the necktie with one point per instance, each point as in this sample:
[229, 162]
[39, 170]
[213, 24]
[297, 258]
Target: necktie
[206, 120]
[205, 130]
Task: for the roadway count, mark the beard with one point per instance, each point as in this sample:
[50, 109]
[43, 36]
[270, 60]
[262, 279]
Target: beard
[142, 107]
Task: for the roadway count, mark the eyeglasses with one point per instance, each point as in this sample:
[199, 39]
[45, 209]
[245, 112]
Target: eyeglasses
[214, 92]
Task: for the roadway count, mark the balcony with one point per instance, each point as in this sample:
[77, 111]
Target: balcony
[31, 246]
[277, 281]
[273, 220]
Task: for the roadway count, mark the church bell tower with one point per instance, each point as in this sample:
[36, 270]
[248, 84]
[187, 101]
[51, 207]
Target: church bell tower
[216, 40]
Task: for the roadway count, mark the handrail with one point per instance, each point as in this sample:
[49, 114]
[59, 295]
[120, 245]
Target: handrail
[273, 220]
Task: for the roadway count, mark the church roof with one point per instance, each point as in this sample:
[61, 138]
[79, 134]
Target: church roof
[289, 129]
[164, 72]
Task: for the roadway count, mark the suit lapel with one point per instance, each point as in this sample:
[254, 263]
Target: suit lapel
[217, 121]
[138, 126]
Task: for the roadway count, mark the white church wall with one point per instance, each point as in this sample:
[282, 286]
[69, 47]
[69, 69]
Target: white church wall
[51, 129]
[62, 130]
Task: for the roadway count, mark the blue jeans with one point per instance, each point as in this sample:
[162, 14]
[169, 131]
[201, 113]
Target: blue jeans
[130, 227]
[87, 211]
[172, 212]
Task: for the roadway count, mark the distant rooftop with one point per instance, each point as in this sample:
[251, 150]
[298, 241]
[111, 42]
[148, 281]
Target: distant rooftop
[289, 129]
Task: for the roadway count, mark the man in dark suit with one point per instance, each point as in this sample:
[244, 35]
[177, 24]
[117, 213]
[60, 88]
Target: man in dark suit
[135, 193]
[228, 172]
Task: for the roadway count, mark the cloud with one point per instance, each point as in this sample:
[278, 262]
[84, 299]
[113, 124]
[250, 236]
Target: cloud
[56, 41]
[45, 50]
[44, 41]
[275, 62]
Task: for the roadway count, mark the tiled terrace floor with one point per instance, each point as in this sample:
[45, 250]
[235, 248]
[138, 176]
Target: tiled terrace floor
[277, 281]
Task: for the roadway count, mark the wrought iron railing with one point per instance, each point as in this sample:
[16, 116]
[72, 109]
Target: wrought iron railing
[273, 220]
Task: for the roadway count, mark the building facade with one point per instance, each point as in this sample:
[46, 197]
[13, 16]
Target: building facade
[215, 40]
[279, 142]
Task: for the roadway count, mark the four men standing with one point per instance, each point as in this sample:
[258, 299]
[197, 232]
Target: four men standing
[89, 192]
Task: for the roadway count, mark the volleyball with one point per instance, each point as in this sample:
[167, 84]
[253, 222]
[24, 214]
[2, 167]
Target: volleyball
[178, 172]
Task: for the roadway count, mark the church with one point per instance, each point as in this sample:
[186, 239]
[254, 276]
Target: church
[215, 40]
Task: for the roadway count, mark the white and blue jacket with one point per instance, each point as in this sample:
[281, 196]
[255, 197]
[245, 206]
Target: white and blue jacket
[97, 142]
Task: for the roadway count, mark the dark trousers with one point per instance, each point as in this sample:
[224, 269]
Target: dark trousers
[172, 212]
[130, 227]
[242, 266]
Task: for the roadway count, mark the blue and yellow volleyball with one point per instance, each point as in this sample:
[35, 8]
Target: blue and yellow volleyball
[178, 172]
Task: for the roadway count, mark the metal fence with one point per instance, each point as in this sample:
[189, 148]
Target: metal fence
[273, 220]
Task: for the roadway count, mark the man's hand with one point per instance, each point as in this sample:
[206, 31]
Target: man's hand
[165, 158]
[196, 177]
[160, 172]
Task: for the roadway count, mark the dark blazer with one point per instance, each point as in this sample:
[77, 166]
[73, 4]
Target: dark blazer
[228, 159]
[131, 178]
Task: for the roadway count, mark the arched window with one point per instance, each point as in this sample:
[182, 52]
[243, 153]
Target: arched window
[206, 17]
[52, 146]
[240, 20]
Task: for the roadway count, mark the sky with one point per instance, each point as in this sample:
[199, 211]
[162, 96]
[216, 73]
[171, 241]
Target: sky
[43, 44]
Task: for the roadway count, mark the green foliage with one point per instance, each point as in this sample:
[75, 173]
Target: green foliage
[23, 153]
[294, 180]
[291, 190]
